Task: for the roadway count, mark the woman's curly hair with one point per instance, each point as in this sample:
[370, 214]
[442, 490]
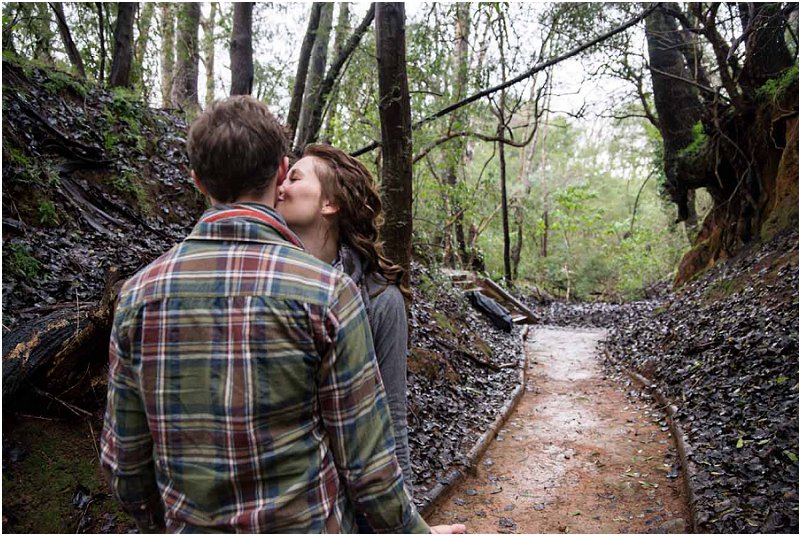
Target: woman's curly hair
[349, 185]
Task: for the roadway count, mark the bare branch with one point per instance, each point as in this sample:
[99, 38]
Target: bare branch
[535, 69]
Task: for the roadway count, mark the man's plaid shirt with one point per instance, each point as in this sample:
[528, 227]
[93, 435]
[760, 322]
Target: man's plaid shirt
[244, 391]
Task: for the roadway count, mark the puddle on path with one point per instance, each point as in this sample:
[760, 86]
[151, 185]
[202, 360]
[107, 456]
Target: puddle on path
[576, 456]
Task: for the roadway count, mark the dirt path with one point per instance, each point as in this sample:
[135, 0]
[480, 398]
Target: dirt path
[577, 455]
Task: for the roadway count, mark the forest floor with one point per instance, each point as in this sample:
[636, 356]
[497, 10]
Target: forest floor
[579, 454]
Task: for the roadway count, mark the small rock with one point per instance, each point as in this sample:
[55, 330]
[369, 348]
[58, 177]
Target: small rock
[507, 523]
[673, 526]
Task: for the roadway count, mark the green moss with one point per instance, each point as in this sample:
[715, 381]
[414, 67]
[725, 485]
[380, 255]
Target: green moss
[19, 261]
[699, 141]
[444, 322]
[58, 81]
[776, 87]
[128, 185]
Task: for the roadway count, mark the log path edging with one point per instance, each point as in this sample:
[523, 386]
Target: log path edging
[433, 497]
[683, 448]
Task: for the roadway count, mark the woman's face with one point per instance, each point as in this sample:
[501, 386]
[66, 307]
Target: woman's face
[300, 197]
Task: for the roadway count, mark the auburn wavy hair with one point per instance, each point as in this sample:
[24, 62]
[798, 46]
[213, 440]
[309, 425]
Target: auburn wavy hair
[349, 185]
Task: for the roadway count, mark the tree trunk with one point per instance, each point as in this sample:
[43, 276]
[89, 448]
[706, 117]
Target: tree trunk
[123, 45]
[184, 85]
[460, 120]
[767, 55]
[314, 78]
[208, 52]
[140, 50]
[507, 263]
[101, 31]
[677, 104]
[396, 132]
[66, 38]
[303, 70]
[517, 250]
[545, 229]
[340, 35]
[242, 49]
[167, 26]
[320, 98]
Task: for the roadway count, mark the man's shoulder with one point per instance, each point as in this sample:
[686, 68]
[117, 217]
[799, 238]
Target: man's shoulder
[195, 268]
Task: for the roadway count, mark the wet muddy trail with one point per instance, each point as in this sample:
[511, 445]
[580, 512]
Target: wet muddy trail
[580, 454]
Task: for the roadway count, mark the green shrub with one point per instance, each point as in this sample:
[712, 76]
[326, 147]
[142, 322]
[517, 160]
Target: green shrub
[19, 261]
[47, 213]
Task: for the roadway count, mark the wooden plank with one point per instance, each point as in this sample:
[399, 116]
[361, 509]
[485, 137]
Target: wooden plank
[497, 290]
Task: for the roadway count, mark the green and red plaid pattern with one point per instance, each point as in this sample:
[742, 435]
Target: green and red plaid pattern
[244, 391]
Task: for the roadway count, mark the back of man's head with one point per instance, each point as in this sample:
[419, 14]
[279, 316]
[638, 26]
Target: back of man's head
[235, 148]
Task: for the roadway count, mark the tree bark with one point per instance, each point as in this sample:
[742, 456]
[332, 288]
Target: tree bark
[340, 38]
[396, 132]
[123, 45]
[66, 38]
[102, 35]
[314, 78]
[766, 55]
[242, 49]
[184, 86]
[167, 26]
[208, 52]
[460, 120]
[303, 70]
[677, 105]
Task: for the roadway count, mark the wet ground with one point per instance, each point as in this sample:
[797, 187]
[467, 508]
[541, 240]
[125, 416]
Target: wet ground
[579, 454]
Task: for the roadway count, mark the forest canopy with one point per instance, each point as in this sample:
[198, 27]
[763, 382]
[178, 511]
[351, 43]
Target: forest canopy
[621, 146]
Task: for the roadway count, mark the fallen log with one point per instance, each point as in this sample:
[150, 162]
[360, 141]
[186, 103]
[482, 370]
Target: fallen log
[60, 353]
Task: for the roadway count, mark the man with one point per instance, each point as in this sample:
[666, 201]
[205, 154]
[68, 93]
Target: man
[243, 388]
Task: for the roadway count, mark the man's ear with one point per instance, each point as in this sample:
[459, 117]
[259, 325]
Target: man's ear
[283, 169]
[198, 183]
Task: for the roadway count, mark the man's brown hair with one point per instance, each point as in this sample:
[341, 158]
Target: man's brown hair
[235, 147]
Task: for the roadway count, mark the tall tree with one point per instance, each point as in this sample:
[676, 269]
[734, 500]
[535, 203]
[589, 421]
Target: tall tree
[340, 35]
[678, 105]
[459, 120]
[303, 69]
[507, 263]
[143, 36]
[396, 132]
[101, 31]
[123, 45]
[242, 49]
[66, 38]
[167, 28]
[314, 78]
[184, 86]
[208, 51]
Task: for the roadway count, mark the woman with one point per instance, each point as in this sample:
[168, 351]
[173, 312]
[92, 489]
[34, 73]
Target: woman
[330, 201]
